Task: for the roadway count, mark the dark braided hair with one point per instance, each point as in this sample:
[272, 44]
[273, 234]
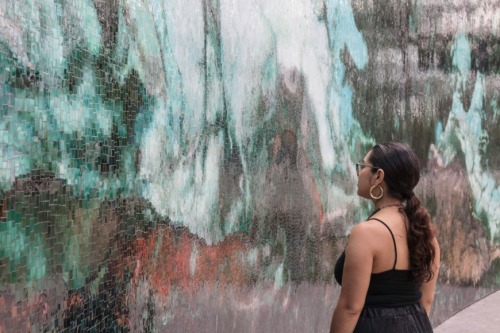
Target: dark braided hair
[401, 174]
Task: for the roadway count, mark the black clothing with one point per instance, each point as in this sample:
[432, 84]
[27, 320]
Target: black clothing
[396, 319]
[389, 288]
[392, 300]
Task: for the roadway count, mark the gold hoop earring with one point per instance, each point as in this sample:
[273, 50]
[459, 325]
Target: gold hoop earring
[380, 195]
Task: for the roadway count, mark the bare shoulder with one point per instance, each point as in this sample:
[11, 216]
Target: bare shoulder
[361, 229]
[362, 232]
[368, 235]
[360, 247]
[368, 228]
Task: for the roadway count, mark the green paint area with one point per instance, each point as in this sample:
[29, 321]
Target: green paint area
[73, 126]
[23, 251]
[46, 233]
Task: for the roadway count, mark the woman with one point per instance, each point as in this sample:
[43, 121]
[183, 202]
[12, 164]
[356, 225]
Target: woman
[389, 268]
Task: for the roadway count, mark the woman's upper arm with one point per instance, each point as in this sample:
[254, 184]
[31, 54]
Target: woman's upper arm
[428, 288]
[357, 269]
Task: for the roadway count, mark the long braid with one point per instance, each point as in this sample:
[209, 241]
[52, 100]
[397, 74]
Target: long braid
[421, 233]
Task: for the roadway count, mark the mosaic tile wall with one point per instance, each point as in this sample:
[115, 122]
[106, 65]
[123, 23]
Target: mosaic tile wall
[186, 166]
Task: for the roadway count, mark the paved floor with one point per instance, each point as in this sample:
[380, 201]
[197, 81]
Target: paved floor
[482, 316]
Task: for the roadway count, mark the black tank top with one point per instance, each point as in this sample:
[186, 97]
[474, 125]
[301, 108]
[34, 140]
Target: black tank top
[394, 287]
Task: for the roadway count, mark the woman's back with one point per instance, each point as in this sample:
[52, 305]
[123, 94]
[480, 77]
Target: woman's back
[394, 285]
[391, 282]
[389, 252]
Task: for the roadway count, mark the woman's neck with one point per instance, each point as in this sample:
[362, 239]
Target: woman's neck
[387, 204]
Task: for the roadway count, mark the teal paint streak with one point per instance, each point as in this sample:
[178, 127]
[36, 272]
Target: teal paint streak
[465, 132]
[412, 24]
[23, 249]
[76, 113]
[439, 132]
[88, 24]
[461, 53]
[346, 133]
[344, 33]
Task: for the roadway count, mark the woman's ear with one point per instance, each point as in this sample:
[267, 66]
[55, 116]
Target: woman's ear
[379, 175]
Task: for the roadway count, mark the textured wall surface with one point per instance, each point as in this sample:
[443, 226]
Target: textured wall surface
[188, 166]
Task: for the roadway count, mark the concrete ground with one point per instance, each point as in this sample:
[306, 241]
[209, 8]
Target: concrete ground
[482, 316]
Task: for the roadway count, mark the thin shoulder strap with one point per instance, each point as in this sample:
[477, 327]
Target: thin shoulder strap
[393, 240]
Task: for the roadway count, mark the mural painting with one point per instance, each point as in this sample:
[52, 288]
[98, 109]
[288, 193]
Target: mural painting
[171, 166]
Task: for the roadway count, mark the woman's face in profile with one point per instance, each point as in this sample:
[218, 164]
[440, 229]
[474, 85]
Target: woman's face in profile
[363, 170]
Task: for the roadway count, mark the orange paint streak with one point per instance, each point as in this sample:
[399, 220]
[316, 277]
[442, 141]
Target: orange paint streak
[168, 265]
[319, 205]
[317, 198]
